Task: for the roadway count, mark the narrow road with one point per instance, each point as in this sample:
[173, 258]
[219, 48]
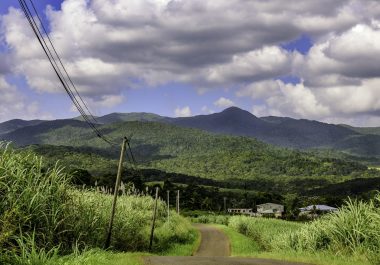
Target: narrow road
[213, 250]
[214, 242]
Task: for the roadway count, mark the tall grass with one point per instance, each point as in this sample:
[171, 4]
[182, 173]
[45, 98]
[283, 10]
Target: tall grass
[264, 231]
[42, 215]
[353, 230]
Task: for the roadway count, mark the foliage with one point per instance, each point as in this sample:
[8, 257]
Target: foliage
[41, 214]
[353, 230]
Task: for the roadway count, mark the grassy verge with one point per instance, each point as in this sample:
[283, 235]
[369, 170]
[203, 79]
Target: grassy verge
[43, 217]
[101, 257]
[243, 246]
[184, 249]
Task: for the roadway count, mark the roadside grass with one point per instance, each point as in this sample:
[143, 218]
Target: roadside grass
[100, 257]
[348, 236]
[243, 246]
[184, 249]
[43, 217]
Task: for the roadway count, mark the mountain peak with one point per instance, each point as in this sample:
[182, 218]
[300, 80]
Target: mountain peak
[235, 111]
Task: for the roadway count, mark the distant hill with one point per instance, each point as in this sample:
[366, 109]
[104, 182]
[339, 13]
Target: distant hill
[12, 125]
[177, 149]
[121, 117]
[36, 134]
[281, 131]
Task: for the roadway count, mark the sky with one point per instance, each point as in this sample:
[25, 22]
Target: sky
[302, 59]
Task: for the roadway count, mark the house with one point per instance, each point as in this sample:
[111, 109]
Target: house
[270, 209]
[240, 211]
[313, 211]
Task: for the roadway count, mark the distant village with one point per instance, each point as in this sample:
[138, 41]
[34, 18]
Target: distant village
[275, 210]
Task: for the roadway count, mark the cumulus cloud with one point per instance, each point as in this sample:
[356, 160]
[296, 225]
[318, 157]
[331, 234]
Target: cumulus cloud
[14, 104]
[182, 112]
[112, 45]
[224, 102]
[207, 110]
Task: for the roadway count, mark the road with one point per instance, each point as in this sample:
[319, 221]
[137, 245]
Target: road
[213, 250]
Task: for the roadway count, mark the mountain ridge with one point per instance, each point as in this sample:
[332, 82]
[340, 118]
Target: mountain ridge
[281, 131]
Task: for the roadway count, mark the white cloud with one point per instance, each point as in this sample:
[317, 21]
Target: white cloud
[14, 104]
[224, 103]
[182, 112]
[207, 110]
[113, 45]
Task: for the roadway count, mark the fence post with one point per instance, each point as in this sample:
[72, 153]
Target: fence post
[177, 201]
[154, 220]
[168, 203]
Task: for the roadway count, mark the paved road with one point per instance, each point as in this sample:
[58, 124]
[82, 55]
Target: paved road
[213, 250]
[214, 242]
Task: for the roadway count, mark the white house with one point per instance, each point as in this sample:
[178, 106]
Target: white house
[270, 209]
[319, 208]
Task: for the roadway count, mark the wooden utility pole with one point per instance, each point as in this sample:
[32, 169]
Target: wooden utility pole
[168, 203]
[154, 220]
[177, 201]
[117, 185]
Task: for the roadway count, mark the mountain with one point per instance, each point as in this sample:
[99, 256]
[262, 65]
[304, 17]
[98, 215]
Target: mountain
[281, 131]
[233, 121]
[36, 134]
[172, 148]
[12, 125]
[286, 132]
[121, 117]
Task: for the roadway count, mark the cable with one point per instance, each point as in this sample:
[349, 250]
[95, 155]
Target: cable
[68, 76]
[57, 70]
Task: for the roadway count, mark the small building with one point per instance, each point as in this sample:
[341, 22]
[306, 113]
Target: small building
[315, 210]
[270, 209]
[240, 211]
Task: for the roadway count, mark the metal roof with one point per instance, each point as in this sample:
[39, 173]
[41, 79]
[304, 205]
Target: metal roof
[319, 207]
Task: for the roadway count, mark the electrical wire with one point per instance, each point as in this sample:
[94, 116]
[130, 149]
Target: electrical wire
[76, 98]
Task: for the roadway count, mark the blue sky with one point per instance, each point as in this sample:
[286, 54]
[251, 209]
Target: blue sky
[266, 67]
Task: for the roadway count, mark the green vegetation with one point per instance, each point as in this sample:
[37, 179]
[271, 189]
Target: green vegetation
[42, 216]
[352, 235]
[354, 230]
[197, 153]
[191, 156]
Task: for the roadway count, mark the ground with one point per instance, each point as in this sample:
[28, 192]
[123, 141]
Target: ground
[213, 250]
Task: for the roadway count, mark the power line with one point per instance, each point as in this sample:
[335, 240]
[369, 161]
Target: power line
[57, 69]
[64, 68]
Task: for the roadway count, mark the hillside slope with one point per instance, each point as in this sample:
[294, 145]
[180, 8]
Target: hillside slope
[184, 150]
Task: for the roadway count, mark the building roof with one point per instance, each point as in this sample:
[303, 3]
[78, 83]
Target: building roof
[269, 203]
[319, 207]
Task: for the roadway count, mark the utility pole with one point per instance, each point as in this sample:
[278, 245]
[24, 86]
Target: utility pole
[168, 203]
[154, 220]
[116, 191]
[177, 201]
[225, 204]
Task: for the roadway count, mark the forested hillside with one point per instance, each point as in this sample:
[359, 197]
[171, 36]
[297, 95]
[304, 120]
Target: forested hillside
[182, 150]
